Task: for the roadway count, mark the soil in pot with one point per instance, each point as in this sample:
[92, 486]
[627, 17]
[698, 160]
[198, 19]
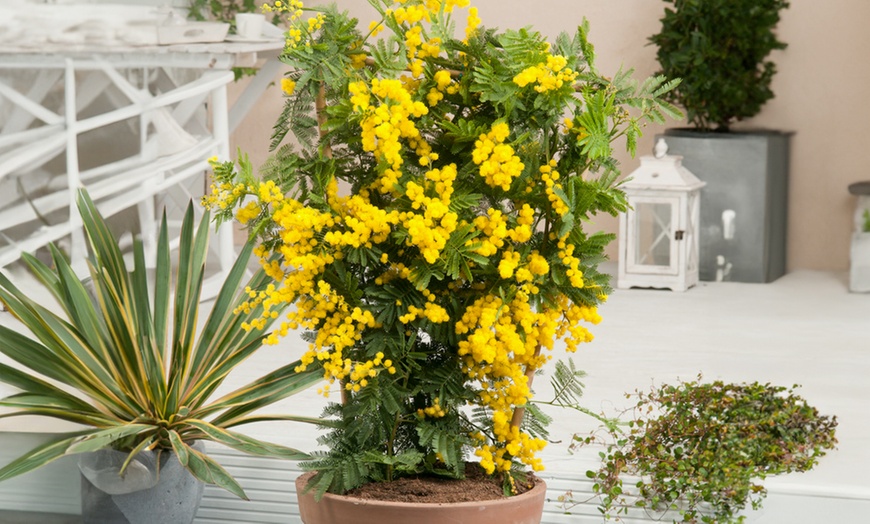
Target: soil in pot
[476, 486]
[477, 499]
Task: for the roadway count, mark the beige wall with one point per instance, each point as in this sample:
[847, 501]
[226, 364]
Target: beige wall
[822, 92]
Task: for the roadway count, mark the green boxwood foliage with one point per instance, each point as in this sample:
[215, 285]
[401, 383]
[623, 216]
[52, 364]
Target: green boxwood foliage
[719, 49]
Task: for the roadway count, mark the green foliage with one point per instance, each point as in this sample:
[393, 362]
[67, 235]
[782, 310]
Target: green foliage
[719, 49]
[866, 225]
[221, 10]
[700, 449]
[225, 11]
[382, 429]
[143, 378]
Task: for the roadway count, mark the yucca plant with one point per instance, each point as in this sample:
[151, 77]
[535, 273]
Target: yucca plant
[145, 379]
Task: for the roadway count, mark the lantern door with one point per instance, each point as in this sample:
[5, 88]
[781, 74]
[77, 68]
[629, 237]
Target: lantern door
[652, 246]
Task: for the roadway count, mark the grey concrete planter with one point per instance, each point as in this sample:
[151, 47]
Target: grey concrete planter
[145, 495]
[744, 206]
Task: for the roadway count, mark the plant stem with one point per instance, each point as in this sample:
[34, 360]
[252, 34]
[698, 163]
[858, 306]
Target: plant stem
[320, 107]
[391, 451]
[517, 417]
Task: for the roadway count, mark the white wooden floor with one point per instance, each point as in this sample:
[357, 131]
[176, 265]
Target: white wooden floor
[805, 328]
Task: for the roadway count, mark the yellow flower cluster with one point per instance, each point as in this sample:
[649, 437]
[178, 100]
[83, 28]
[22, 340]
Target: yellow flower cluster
[533, 267]
[338, 330]
[435, 5]
[376, 27]
[386, 125]
[571, 128]
[549, 76]
[410, 14]
[318, 306]
[566, 253]
[500, 345]
[509, 262]
[363, 371]
[434, 411]
[443, 83]
[413, 11]
[363, 224]
[515, 445]
[495, 229]
[357, 55]
[288, 86]
[498, 163]
[293, 11]
[472, 23]
[223, 196]
[316, 22]
[549, 176]
[292, 7]
[430, 230]
[248, 212]
[570, 330]
[359, 96]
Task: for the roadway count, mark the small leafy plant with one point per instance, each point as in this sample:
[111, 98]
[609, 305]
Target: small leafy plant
[719, 49]
[700, 449]
[866, 225]
[220, 10]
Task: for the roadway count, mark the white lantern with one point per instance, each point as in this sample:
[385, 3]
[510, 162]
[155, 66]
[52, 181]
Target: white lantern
[658, 235]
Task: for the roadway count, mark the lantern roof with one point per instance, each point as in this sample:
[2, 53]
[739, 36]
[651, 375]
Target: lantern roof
[663, 171]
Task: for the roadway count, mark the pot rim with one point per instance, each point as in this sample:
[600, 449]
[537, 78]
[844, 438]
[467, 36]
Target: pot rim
[539, 490]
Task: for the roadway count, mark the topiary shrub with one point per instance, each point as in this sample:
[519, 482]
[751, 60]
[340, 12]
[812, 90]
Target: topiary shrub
[719, 49]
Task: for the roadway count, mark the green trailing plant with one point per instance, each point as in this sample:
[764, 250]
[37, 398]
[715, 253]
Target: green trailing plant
[431, 222]
[701, 449]
[143, 378]
[866, 225]
[719, 49]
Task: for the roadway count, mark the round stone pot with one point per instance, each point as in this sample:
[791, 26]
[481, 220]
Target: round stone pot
[526, 508]
[149, 492]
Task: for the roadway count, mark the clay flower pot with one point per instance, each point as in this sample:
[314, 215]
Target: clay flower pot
[525, 508]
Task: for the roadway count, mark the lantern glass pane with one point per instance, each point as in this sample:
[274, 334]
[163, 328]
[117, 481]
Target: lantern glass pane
[653, 229]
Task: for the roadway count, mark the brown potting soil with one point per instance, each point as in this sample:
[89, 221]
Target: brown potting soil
[476, 486]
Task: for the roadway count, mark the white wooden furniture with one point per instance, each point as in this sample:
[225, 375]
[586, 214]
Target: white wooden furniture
[126, 123]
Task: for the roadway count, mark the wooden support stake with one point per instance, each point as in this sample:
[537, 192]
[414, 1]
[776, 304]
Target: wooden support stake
[326, 151]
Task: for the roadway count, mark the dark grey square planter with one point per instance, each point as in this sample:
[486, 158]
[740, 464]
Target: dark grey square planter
[744, 206]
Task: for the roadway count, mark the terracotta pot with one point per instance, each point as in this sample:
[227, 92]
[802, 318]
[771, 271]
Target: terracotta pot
[338, 509]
